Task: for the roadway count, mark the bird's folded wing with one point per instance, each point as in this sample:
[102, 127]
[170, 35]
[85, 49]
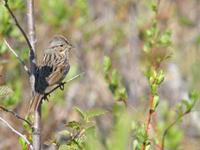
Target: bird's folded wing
[57, 75]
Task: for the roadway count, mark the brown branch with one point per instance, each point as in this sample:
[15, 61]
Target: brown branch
[151, 111]
[15, 114]
[149, 117]
[19, 27]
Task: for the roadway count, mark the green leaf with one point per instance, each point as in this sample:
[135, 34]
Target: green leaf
[74, 125]
[148, 147]
[188, 105]
[154, 89]
[3, 48]
[107, 63]
[194, 95]
[165, 38]
[121, 94]
[155, 102]
[94, 113]
[154, 7]
[26, 126]
[81, 113]
[149, 33]
[160, 77]
[135, 145]
[23, 144]
[141, 135]
[63, 147]
[115, 78]
[147, 47]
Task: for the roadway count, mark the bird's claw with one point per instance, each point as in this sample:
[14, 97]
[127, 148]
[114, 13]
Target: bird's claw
[62, 85]
[46, 97]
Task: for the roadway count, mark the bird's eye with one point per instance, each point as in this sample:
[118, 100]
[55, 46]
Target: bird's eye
[61, 45]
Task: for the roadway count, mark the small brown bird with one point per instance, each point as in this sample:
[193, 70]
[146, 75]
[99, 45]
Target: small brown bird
[52, 70]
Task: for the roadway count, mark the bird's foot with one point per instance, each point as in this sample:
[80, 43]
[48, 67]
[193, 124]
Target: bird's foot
[45, 97]
[62, 85]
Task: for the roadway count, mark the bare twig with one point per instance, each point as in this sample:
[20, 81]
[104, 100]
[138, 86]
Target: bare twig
[17, 56]
[15, 114]
[76, 76]
[18, 25]
[17, 132]
[149, 117]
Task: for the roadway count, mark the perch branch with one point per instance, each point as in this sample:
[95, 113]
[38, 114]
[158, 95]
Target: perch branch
[36, 134]
[61, 85]
[15, 114]
[17, 132]
[31, 32]
[17, 56]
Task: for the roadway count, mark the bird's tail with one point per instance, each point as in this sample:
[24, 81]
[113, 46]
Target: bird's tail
[35, 102]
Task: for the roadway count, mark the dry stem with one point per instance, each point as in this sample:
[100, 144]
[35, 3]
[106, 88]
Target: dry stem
[17, 132]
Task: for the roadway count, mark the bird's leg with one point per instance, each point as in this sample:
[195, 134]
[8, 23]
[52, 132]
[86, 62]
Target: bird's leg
[45, 97]
[62, 85]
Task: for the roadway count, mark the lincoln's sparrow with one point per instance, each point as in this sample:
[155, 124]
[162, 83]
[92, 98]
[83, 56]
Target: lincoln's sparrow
[52, 70]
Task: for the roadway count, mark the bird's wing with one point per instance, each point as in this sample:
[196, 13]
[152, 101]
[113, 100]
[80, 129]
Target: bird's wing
[58, 74]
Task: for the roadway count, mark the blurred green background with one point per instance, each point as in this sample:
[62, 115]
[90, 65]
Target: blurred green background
[99, 28]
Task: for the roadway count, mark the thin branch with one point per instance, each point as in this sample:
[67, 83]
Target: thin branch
[16, 115]
[17, 132]
[18, 25]
[151, 111]
[76, 76]
[149, 117]
[151, 96]
[169, 127]
[17, 56]
[61, 85]
[76, 136]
